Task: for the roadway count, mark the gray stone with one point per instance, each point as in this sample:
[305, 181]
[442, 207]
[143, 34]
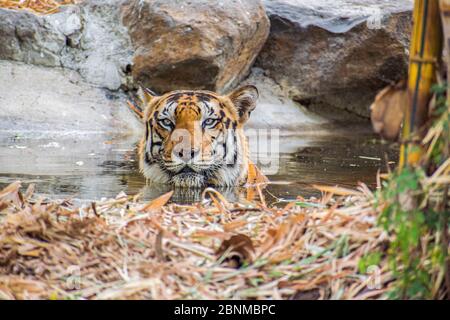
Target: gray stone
[102, 52]
[55, 101]
[88, 38]
[29, 38]
[336, 54]
[275, 111]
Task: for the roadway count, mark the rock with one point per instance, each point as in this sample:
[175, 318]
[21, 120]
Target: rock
[202, 44]
[101, 52]
[336, 54]
[87, 37]
[56, 101]
[198, 44]
[29, 38]
[275, 111]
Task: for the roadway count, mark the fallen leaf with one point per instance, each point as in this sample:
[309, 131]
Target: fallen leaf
[3, 205]
[36, 6]
[234, 225]
[10, 189]
[32, 253]
[12, 193]
[313, 294]
[337, 190]
[94, 208]
[388, 109]
[238, 249]
[158, 246]
[218, 199]
[157, 203]
[210, 234]
[30, 190]
[255, 176]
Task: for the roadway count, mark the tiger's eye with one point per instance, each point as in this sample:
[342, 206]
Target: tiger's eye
[166, 122]
[209, 122]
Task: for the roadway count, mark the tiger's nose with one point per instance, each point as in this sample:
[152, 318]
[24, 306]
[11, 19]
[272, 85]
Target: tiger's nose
[188, 154]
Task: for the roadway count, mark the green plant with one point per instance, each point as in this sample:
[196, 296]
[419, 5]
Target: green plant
[415, 213]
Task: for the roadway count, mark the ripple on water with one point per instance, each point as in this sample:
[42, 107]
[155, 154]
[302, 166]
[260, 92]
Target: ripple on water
[89, 168]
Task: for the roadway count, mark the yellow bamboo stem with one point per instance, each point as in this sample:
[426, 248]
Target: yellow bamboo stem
[425, 51]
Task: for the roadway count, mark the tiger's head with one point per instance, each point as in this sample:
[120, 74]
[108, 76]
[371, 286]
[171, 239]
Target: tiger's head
[196, 138]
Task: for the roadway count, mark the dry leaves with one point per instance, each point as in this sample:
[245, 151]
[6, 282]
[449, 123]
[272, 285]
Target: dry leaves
[124, 249]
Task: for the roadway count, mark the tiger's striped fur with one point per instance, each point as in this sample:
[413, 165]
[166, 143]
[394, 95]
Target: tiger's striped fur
[196, 138]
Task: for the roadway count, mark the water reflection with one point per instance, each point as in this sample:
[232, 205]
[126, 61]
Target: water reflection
[88, 169]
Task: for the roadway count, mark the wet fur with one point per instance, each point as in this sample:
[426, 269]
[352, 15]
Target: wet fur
[224, 146]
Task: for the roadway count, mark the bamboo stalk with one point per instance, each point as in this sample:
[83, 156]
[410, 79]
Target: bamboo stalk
[425, 51]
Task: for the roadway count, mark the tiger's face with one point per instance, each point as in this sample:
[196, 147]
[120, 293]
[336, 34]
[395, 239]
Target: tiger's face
[196, 138]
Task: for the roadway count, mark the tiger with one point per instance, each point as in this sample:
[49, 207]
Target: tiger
[195, 138]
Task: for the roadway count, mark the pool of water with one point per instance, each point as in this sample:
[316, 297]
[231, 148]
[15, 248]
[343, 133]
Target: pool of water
[91, 167]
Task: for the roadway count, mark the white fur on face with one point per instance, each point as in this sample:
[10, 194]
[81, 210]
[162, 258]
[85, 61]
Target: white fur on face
[154, 173]
[189, 180]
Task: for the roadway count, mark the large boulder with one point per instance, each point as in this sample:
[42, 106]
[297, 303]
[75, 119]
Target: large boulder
[199, 44]
[336, 54]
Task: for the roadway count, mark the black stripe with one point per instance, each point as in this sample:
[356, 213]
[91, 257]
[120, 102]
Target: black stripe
[203, 97]
[147, 158]
[227, 123]
[175, 97]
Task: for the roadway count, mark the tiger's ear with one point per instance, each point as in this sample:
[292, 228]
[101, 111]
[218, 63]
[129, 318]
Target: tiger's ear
[146, 95]
[244, 99]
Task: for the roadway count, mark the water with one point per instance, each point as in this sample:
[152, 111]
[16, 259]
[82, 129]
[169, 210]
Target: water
[89, 168]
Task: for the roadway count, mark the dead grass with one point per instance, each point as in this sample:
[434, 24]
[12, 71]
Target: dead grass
[36, 6]
[123, 248]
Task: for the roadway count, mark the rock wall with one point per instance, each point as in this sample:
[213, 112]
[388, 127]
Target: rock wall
[37, 100]
[336, 54]
[86, 38]
[326, 55]
[166, 45]
[29, 38]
